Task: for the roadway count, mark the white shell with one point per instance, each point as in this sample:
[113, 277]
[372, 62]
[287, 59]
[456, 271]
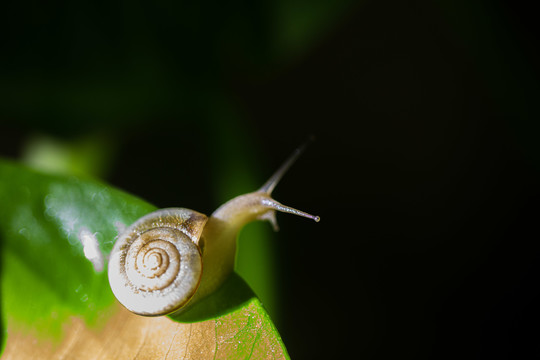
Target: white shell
[155, 266]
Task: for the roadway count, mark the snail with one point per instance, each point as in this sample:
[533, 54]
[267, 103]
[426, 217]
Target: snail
[171, 258]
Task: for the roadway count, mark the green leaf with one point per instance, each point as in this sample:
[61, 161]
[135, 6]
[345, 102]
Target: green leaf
[231, 296]
[41, 219]
[49, 273]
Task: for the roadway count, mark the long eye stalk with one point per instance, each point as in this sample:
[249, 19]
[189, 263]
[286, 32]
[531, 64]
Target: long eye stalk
[269, 186]
[245, 208]
[274, 205]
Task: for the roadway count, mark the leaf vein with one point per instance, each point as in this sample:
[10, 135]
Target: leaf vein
[188, 340]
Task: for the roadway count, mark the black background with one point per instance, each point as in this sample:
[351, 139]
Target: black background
[424, 169]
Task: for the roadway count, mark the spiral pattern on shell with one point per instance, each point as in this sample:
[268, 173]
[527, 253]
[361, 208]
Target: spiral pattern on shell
[156, 266]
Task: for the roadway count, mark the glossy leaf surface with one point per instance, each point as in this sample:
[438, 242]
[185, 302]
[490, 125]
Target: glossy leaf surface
[54, 281]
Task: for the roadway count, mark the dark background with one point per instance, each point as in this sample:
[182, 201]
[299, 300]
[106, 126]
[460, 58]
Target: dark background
[425, 169]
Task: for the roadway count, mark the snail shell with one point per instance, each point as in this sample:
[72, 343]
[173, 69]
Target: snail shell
[156, 264]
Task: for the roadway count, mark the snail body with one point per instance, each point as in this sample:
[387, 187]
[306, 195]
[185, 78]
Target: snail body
[171, 258]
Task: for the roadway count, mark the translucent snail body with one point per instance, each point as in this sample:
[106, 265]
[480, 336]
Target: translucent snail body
[171, 258]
